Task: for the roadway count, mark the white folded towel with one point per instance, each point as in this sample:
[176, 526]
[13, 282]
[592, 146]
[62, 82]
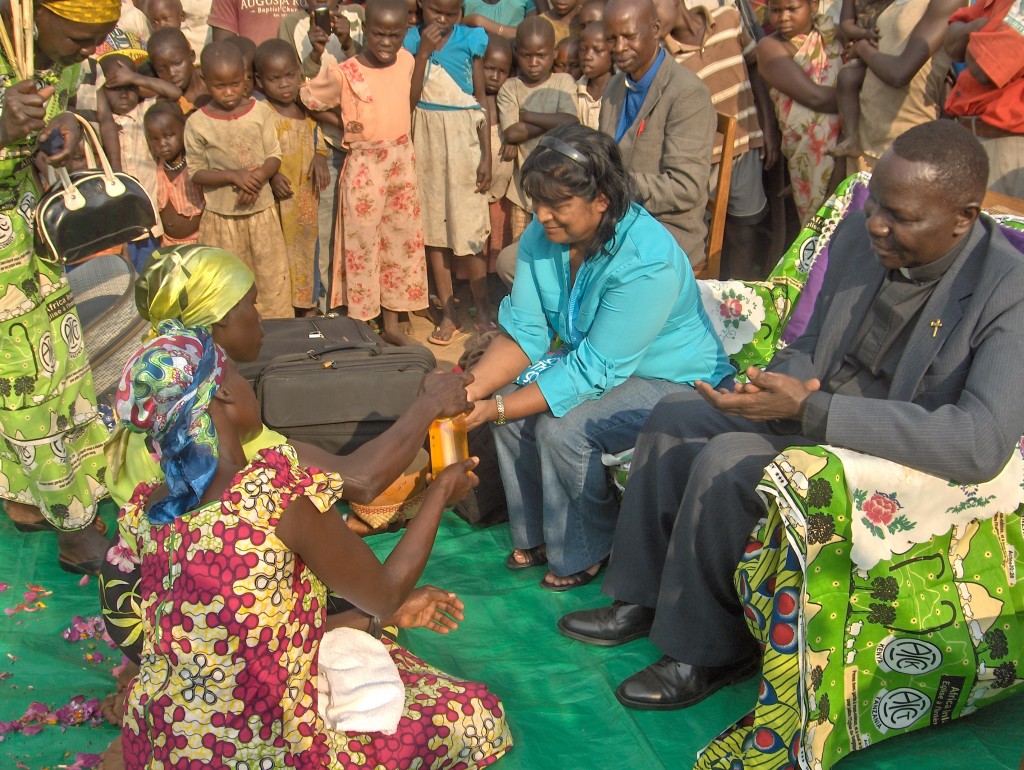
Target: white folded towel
[358, 682]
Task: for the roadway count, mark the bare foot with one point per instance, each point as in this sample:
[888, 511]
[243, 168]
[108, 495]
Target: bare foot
[85, 548]
[847, 148]
[112, 707]
[22, 513]
[444, 332]
[113, 757]
[397, 337]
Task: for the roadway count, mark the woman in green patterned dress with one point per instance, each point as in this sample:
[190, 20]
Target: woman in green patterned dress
[51, 436]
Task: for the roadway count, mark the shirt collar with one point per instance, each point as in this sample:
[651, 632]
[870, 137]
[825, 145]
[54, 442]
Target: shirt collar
[934, 270]
[645, 82]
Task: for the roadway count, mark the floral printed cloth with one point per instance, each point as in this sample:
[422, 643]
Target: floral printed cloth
[858, 653]
[233, 620]
[915, 506]
[808, 136]
[381, 260]
[51, 433]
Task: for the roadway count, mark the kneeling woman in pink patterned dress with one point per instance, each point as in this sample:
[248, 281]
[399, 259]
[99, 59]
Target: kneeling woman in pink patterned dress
[235, 564]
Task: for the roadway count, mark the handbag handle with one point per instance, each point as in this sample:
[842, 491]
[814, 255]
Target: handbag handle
[73, 199]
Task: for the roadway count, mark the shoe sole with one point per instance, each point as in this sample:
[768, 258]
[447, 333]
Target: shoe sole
[740, 676]
[602, 642]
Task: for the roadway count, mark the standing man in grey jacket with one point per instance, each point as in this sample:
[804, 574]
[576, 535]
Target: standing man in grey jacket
[661, 116]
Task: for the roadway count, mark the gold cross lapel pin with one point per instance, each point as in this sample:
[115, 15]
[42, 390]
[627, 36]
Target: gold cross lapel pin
[936, 325]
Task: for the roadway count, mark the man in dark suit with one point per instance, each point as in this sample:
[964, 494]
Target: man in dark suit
[916, 346]
[660, 115]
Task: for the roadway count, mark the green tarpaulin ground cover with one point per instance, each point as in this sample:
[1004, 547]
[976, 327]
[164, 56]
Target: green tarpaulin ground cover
[558, 692]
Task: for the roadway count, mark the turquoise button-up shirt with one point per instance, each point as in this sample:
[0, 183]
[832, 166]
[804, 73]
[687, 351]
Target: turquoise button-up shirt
[633, 312]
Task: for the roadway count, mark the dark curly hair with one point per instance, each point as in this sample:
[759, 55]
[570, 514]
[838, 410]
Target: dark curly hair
[551, 177]
[956, 157]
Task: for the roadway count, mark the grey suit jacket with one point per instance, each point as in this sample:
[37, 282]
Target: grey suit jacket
[668, 149]
[956, 404]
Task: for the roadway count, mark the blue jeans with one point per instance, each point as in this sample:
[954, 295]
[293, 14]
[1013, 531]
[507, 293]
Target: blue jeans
[557, 489]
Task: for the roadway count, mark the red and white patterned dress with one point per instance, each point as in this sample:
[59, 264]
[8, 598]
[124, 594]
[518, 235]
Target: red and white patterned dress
[233, 620]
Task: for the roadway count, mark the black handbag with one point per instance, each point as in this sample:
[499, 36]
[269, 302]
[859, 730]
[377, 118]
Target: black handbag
[93, 210]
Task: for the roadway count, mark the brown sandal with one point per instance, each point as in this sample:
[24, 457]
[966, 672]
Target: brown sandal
[576, 579]
[534, 557]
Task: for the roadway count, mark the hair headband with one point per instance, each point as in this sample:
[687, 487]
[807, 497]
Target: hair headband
[566, 149]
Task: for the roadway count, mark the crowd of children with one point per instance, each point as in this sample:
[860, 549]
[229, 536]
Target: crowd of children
[365, 159]
[434, 118]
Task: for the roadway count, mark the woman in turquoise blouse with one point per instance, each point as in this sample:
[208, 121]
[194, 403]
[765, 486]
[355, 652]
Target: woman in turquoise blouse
[604, 319]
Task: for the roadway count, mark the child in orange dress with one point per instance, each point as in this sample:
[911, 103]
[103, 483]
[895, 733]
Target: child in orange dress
[303, 172]
[179, 200]
[381, 267]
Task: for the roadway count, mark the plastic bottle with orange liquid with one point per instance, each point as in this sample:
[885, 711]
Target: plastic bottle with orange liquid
[448, 443]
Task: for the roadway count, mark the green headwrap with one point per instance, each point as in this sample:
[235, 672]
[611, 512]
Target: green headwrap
[197, 285]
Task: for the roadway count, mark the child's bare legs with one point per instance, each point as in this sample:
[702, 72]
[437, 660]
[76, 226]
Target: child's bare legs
[476, 266]
[440, 261]
[393, 333]
[848, 83]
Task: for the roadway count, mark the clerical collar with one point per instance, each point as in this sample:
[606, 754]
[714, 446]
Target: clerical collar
[935, 270]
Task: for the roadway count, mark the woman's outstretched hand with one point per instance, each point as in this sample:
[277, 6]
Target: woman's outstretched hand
[429, 607]
[481, 413]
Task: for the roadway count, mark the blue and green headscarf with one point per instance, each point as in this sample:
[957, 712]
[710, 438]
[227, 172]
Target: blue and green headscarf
[165, 394]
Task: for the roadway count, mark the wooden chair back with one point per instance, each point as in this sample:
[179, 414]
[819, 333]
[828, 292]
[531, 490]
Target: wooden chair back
[999, 203]
[718, 206]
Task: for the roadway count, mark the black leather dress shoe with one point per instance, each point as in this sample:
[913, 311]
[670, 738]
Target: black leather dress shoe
[669, 684]
[608, 626]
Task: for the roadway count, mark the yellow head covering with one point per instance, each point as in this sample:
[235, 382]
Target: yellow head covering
[197, 285]
[86, 11]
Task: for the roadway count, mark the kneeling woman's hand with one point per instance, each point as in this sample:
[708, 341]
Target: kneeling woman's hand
[429, 607]
[346, 564]
[458, 478]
